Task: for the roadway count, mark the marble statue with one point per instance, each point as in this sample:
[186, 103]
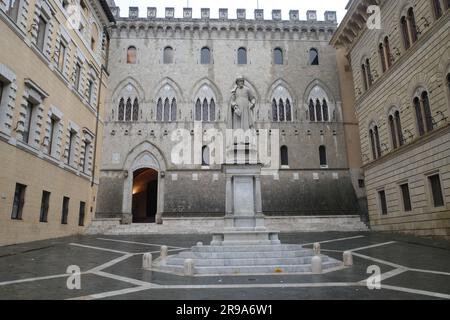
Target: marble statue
[243, 104]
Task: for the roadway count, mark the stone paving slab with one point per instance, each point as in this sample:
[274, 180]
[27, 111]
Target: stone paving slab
[122, 270]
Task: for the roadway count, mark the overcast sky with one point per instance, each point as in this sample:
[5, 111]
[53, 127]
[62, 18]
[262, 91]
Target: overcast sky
[285, 5]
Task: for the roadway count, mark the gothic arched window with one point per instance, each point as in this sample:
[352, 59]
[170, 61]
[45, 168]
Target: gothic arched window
[131, 55]
[437, 9]
[128, 110]
[166, 106]
[375, 141]
[319, 105]
[135, 110]
[121, 112]
[205, 105]
[281, 105]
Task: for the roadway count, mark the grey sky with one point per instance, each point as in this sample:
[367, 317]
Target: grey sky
[285, 5]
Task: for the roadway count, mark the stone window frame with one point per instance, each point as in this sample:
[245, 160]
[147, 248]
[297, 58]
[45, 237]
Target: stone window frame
[435, 6]
[8, 99]
[22, 15]
[168, 59]
[70, 156]
[43, 9]
[92, 76]
[324, 148]
[310, 60]
[284, 157]
[283, 56]
[401, 198]
[54, 114]
[411, 36]
[86, 161]
[384, 53]
[132, 49]
[429, 191]
[37, 96]
[63, 37]
[210, 55]
[380, 204]
[238, 56]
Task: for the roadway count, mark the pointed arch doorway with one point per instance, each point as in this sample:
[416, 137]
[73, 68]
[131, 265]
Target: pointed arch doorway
[145, 195]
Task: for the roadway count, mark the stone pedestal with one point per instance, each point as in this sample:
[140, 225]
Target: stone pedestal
[244, 220]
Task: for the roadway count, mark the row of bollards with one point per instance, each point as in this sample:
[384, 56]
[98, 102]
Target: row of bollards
[316, 261]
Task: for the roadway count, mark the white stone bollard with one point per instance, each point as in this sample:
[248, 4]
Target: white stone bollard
[147, 261]
[188, 267]
[199, 244]
[316, 265]
[348, 258]
[164, 252]
[316, 248]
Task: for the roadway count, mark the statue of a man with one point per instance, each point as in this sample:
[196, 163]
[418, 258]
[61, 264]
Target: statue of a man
[242, 106]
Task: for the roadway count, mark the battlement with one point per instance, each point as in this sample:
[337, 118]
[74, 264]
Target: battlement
[241, 14]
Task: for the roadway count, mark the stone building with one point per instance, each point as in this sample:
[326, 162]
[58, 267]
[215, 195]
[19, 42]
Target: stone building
[178, 73]
[52, 87]
[401, 72]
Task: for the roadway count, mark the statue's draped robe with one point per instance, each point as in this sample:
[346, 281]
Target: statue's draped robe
[245, 101]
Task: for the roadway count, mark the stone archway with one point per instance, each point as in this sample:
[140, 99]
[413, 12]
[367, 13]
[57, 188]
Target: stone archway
[143, 157]
[145, 196]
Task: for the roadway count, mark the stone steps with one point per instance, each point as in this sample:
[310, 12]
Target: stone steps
[243, 254]
[214, 262]
[264, 269]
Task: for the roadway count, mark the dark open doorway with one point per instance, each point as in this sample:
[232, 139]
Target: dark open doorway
[145, 195]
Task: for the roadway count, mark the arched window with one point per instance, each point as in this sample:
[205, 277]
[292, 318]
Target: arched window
[166, 106]
[375, 141]
[396, 129]
[387, 50]
[312, 113]
[135, 110]
[323, 156]
[121, 112]
[313, 57]
[437, 8]
[405, 32]
[168, 55]
[319, 105]
[205, 105]
[364, 77]
[284, 156]
[128, 110]
[278, 56]
[412, 25]
[205, 156]
[369, 73]
[242, 56]
[281, 105]
[382, 57]
[423, 112]
[131, 55]
[205, 56]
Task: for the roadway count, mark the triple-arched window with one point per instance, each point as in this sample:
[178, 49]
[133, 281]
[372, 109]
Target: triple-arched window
[282, 105]
[318, 105]
[166, 109]
[422, 109]
[205, 105]
[128, 109]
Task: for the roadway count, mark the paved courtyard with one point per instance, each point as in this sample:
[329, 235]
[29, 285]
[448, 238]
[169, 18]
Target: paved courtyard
[111, 266]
